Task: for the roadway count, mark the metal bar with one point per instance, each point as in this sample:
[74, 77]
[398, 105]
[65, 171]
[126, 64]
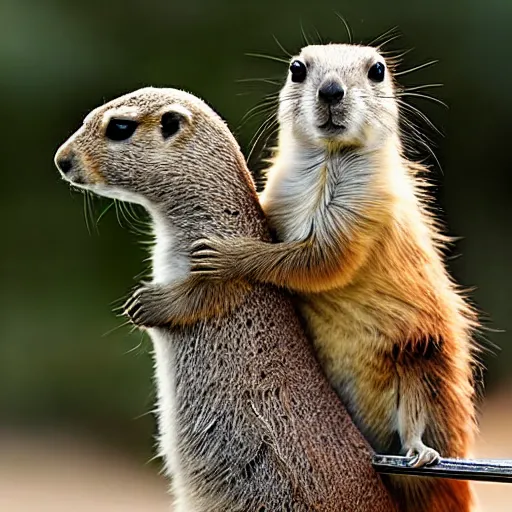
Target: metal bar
[492, 470]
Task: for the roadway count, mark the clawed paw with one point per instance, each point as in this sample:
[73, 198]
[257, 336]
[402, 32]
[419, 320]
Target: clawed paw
[144, 306]
[422, 455]
[208, 258]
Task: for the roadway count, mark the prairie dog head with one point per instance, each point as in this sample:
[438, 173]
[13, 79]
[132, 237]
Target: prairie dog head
[148, 147]
[339, 94]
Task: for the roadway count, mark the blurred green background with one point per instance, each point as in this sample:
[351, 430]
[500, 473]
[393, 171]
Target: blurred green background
[64, 364]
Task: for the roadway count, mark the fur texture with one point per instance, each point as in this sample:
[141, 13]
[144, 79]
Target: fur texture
[247, 421]
[363, 253]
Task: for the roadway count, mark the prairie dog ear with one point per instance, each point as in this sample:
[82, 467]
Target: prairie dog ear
[179, 109]
[172, 119]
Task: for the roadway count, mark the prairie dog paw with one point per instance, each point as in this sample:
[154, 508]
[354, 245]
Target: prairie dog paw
[210, 257]
[145, 307]
[422, 455]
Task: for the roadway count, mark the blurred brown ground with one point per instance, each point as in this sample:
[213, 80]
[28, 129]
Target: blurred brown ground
[54, 473]
[495, 442]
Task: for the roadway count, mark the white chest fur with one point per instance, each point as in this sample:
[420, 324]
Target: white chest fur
[309, 190]
[168, 266]
[294, 189]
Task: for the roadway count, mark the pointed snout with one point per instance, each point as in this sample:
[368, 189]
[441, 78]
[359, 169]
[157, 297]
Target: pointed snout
[69, 164]
[331, 92]
[64, 164]
[64, 160]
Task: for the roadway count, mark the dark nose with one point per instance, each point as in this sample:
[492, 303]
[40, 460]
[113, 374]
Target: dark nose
[331, 92]
[65, 164]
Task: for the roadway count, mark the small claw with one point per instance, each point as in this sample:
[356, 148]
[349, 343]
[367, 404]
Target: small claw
[130, 304]
[203, 253]
[201, 244]
[206, 262]
[133, 307]
[413, 456]
[197, 243]
[133, 312]
[211, 258]
[423, 456]
[200, 270]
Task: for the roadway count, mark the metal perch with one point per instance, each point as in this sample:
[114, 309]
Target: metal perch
[486, 470]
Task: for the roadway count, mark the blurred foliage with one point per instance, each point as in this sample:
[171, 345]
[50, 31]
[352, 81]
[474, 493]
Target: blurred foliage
[60, 59]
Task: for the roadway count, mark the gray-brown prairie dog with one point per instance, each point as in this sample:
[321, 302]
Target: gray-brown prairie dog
[247, 421]
[363, 254]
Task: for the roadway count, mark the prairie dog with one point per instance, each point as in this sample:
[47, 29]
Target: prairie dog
[363, 254]
[247, 421]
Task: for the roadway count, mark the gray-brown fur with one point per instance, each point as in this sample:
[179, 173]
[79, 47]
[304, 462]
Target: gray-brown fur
[247, 420]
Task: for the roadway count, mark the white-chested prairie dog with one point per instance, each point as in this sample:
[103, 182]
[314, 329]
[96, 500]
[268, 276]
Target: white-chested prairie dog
[247, 421]
[363, 253]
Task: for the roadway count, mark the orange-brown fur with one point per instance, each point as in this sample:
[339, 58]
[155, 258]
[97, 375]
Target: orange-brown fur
[403, 328]
[391, 329]
[363, 254]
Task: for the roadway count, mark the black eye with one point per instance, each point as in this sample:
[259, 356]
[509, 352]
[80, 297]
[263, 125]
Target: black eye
[170, 123]
[376, 72]
[121, 129]
[298, 71]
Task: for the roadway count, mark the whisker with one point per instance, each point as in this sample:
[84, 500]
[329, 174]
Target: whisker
[132, 219]
[253, 116]
[117, 303]
[116, 207]
[268, 104]
[419, 113]
[122, 211]
[268, 124]
[281, 47]
[318, 36]
[105, 210]
[116, 328]
[389, 40]
[304, 35]
[399, 54]
[131, 216]
[259, 80]
[423, 96]
[86, 213]
[416, 68]
[414, 136]
[93, 213]
[143, 415]
[269, 99]
[134, 213]
[383, 35]
[268, 57]
[347, 28]
[266, 130]
[261, 108]
[420, 87]
[260, 112]
[136, 347]
[414, 109]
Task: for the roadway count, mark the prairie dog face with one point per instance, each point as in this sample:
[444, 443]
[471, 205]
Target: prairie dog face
[145, 146]
[339, 94]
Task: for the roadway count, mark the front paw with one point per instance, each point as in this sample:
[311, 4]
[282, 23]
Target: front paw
[422, 455]
[212, 257]
[145, 307]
